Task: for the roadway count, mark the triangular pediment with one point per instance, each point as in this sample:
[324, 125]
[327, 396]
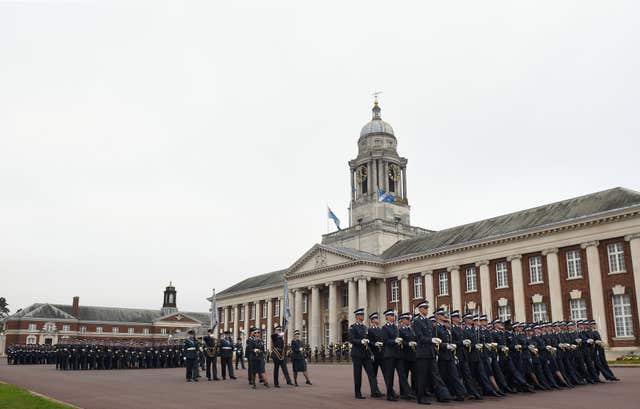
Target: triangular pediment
[49, 311]
[322, 256]
[178, 317]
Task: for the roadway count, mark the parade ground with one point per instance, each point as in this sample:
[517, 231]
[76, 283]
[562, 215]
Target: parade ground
[332, 388]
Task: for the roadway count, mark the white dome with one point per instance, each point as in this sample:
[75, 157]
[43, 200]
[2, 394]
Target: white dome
[376, 126]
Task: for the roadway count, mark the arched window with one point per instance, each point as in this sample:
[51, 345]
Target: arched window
[31, 340]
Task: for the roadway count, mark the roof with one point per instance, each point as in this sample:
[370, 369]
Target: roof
[575, 209]
[271, 279]
[100, 314]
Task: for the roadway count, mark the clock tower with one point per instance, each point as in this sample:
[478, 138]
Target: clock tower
[379, 210]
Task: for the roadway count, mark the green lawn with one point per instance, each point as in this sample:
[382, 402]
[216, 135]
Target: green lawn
[17, 398]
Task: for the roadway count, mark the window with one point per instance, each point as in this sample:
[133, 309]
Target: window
[145, 331]
[252, 312]
[83, 329]
[574, 264]
[395, 291]
[66, 328]
[31, 339]
[622, 315]
[539, 312]
[99, 330]
[502, 275]
[115, 330]
[326, 333]
[472, 311]
[131, 331]
[242, 313]
[33, 327]
[305, 334]
[535, 270]
[50, 327]
[265, 308]
[163, 331]
[504, 313]
[417, 287]
[443, 283]
[305, 303]
[345, 296]
[616, 258]
[578, 309]
[471, 276]
[276, 308]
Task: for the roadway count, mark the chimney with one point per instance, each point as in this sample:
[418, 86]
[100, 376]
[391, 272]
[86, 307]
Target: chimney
[76, 304]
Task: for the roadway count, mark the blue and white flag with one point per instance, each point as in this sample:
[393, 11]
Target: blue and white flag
[214, 310]
[286, 311]
[385, 197]
[333, 217]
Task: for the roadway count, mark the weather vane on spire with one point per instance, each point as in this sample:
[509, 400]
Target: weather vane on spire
[375, 95]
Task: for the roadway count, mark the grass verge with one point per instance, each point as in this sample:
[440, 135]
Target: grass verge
[14, 397]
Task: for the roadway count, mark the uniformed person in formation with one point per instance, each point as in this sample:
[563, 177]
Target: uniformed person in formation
[210, 354]
[226, 355]
[256, 354]
[361, 356]
[394, 359]
[191, 356]
[279, 357]
[377, 346]
[239, 353]
[298, 358]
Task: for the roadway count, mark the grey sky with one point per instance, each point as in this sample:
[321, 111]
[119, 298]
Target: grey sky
[202, 143]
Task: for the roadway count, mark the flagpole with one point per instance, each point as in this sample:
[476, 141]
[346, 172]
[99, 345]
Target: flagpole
[326, 215]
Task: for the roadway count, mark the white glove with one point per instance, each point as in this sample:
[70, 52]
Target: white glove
[573, 346]
[578, 340]
[300, 349]
[531, 347]
[364, 341]
[398, 340]
[466, 342]
[518, 347]
[412, 343]
[505, 349]
[549, 348]
[256, 351]
[185, 358]
[598, 342]
[451, 347]
[479, 347]
[436, 341]
[589, 341]
[379, 344]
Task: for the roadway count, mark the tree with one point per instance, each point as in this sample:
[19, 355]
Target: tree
[4, 308]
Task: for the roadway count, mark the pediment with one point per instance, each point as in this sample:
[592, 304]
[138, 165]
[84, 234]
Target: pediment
[322, 256]
[178, 317]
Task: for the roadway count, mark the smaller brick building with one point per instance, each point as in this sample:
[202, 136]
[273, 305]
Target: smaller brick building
[45, 323]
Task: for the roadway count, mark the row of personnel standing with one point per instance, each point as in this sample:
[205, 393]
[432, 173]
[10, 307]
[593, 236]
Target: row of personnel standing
[455, 356]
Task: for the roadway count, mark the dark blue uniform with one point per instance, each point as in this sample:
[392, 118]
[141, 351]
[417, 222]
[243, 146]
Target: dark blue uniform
[361, 358]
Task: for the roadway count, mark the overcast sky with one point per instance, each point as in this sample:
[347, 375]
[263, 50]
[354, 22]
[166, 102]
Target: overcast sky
[201, 143]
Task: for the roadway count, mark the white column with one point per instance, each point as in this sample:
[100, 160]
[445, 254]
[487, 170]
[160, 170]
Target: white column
[258, 305]
[352, 299]
[555, 293]
[382, 295]
[333, 312]
[455, 287]
[298, 309]
[595, 288]
[519, 305]
[269, 322]
[485, 288]
[363, 299]
[246, 322]
[315, 317]
[404, 292]
[634, 243]
[428, 289]
[236, 322]
[226, 317]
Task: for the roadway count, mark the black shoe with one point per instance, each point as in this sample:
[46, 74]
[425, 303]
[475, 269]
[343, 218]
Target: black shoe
[392, 398]
[266, 384]
[377, 394]
[360, 397]
[216, 379]
[459, 398]
[276, 386]
[424, 401]
[195, 380]
[253, 385]
[477, 397]
[188, 380]
[209, 379]
[232, 377]
[308, 383]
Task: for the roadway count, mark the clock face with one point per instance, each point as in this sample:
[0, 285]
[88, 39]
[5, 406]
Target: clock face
[361, 174]
[394, 173]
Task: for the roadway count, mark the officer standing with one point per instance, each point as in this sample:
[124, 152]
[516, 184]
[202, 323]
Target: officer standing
[191, 356]
[226, 355]
[298, 358]
[239, 353]
[210, 355]
[278, 356]
[361, 356]
[377, 346]
[255, 355]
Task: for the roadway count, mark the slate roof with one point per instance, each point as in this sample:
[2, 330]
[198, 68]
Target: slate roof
[271, 279]
[101, 314]
[575, 209]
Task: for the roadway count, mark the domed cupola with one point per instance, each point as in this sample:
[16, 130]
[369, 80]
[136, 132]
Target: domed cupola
[376, 126]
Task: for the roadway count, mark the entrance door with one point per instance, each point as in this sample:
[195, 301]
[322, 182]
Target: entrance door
[344, 327]
[48, 341]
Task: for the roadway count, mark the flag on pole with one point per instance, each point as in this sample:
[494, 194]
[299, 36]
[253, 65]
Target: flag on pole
[286, 311]
[333, 217]
[214, 310]
[385, 197]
